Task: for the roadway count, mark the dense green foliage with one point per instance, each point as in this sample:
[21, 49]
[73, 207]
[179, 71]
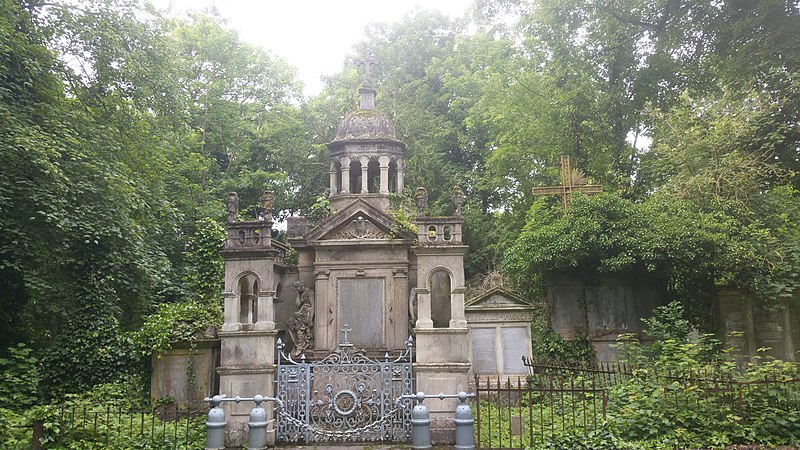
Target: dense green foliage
[122, 130]
[183, 321]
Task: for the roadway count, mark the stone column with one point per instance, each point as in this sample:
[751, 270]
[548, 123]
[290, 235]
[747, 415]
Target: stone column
[458, 318]
[399, 335]
[423, 309]
[324, 335]
[333, 174]
[346, 175]
[232, 310]
[364, 173]
[384, 162]
[266, 311]
[400, 170]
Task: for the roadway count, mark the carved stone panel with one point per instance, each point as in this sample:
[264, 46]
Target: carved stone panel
[361, 305]
[484, 358]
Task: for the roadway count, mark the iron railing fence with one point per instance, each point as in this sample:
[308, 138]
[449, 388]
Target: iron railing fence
[514, 413]
[169, 427]
[553, 400]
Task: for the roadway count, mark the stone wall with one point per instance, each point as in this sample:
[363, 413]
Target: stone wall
[616, 303]
[172, 376]
[601, 310]
[747, 326]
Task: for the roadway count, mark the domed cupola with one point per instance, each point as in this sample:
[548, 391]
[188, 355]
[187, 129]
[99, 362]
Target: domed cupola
[365, 125]
[366, 156]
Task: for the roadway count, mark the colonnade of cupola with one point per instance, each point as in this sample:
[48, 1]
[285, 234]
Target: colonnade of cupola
[359, 174]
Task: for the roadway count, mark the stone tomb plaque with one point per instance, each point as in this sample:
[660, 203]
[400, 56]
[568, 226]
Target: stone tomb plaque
[361, 305]
[515, 346]
[484, 359]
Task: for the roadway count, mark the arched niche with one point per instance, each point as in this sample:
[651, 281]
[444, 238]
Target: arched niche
[248, 299]
[393, 176]
[337, 169]
[440, 287]
[355, 177]
[373, 176]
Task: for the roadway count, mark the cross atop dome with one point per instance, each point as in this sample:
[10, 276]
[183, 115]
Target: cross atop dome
[366, 91]
[367, 60]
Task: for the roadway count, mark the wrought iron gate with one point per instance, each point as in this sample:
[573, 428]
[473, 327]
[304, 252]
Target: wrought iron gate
[345, 396]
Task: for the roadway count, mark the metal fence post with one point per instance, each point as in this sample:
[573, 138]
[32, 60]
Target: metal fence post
[465, 434]
[215, 426]
[257, 426]
[420, 425]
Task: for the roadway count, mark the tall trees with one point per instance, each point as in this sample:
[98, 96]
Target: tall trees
[120, 129]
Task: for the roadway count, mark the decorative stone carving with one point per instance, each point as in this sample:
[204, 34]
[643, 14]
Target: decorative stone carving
[412, 311]
[361, 228]
[301, 325]
[458, 200]
[233, 206]
[421, 198]
[268, 203]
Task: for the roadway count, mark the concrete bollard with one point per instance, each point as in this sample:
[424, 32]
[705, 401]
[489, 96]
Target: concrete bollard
[420, 425]
[215, 426]
[257, 426]
[465, 434]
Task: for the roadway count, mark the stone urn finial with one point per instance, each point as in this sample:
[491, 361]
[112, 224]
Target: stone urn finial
[233, 207]
[268, 203]
[421, 197]
[458, 200]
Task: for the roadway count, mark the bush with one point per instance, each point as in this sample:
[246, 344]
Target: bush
[184, 321]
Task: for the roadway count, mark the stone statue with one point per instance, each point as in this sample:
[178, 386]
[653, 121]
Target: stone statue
[233, 207]
[412, 311]
[268, 203]
[421, 197]
[301, 325]
[458, 200]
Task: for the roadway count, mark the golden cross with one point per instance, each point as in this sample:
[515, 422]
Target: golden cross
[572, 180]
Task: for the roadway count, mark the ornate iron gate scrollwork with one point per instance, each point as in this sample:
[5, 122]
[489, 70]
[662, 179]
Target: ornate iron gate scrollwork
[345, 396]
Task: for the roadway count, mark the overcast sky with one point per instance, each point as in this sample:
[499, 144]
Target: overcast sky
[312, 35]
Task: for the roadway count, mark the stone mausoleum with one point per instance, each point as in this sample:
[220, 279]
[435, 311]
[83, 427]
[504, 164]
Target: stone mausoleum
[357, 269]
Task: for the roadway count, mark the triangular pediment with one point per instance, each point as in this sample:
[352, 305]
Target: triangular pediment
[499, 298]
[359, 220]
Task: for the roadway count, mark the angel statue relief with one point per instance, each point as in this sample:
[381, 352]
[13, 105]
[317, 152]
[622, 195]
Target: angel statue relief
[301, 325]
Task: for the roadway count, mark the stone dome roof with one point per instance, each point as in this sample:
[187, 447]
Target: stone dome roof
[365, 124]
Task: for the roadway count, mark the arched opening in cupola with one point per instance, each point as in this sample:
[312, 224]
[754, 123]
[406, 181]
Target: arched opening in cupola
[373, 176]
[355, 177]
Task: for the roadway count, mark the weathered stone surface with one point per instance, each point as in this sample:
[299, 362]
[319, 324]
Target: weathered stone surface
[186, 375]
[601, 310]
[484, 352]
[361, 304]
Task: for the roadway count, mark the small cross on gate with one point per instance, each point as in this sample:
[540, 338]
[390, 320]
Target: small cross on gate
[367, 60]
[346, 329]
[572, 180]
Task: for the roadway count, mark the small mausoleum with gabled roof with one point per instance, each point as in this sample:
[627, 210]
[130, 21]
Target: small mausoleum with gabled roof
[500, 332]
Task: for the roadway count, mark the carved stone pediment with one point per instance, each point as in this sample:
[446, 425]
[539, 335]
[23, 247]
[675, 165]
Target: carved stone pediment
[498, 298]
[358, 221]
[358, 228]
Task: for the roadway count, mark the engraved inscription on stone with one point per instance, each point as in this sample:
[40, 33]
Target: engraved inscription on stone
[361, 306]
[484, 360]
[515, 345]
